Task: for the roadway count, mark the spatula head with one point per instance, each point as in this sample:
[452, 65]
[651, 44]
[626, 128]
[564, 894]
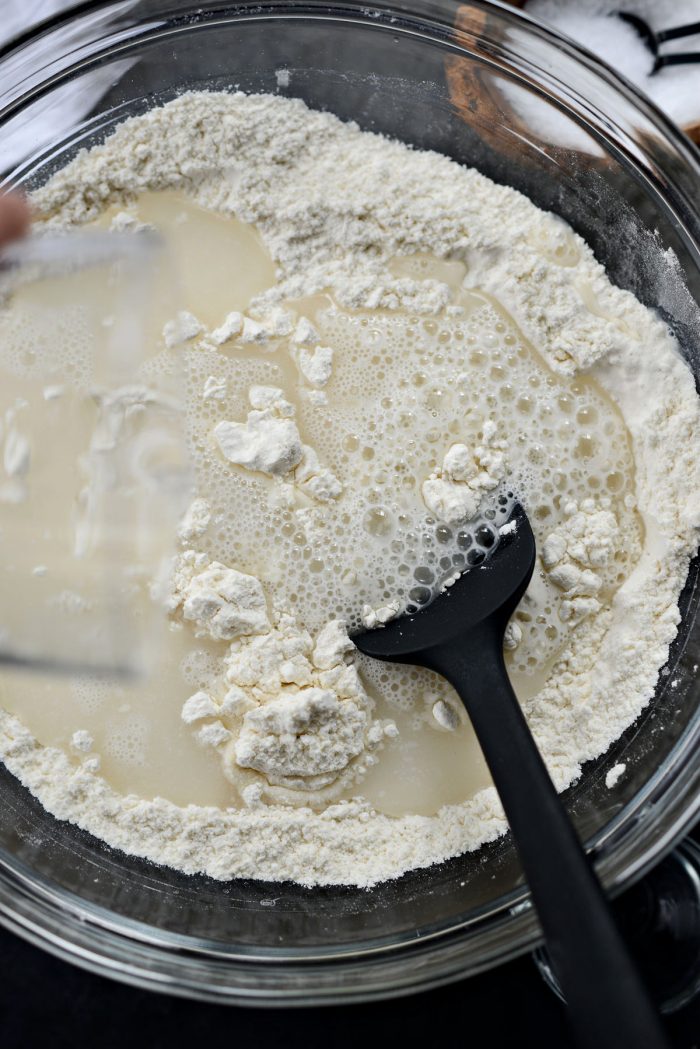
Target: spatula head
[490, 590]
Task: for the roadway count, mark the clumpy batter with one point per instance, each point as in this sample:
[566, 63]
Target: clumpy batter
[398, 349]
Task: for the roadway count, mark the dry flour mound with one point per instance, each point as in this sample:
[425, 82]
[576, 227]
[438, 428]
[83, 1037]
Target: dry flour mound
[274, 163]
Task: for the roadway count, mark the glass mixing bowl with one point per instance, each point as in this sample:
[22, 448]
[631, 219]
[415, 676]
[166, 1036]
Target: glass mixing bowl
[490, 88]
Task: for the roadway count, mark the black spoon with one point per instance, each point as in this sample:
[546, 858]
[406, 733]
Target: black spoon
[460, 635]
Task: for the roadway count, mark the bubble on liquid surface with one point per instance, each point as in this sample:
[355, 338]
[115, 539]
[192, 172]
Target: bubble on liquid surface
[403, 389]
[435, 383]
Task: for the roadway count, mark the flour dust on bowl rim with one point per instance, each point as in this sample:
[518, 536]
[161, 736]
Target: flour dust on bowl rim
[491, 89]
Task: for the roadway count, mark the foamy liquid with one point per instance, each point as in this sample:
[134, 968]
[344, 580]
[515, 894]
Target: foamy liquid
[403, 389]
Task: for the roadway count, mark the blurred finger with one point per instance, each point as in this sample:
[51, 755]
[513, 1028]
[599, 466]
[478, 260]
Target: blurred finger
[14, 217]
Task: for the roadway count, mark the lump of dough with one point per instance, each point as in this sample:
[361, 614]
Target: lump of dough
[314, 479]
[450, 502]
[331, 645]
[316, 365]
[264, 442]
[453, 493]
[195, 520]
[576, 554]
[222, 603]
[309, 733]
[305, 334]
[183, 328]
[232, 326]
[268, 441]
[264, 397]
[307, 729]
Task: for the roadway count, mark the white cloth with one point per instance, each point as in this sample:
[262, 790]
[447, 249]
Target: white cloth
[592, 23]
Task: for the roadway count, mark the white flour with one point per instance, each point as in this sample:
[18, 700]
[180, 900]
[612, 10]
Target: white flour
[274, 163]
[613, 776]
[268, 441]
[454, 492]
[219, 602]
[304, 719]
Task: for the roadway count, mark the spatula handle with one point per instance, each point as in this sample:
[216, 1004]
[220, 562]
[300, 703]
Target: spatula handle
[608, 1004]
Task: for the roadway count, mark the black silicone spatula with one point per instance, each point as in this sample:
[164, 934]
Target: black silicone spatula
[460, 635]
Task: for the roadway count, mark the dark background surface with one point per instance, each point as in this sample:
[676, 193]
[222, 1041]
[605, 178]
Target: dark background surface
[45, 1002]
